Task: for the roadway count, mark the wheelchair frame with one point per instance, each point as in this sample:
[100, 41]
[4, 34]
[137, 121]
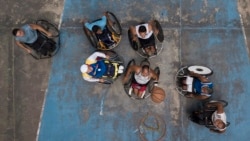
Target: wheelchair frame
[207, 113]
[36, 54]
[159, 38]
[150, 84]
[114, 57]
[183, 72]
[115, 29]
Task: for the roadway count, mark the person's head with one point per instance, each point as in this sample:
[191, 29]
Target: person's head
[206, 90]
[145, 70]
[96, 29]
[142, 31]
[86, 68]
[219, 124]
[18, 32]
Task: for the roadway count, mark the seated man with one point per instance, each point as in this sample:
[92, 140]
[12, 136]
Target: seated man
[142, 75]
[101, 31]
[28, 34]
[144, 34]
[197, 86]
[217, 118]
[95, 68]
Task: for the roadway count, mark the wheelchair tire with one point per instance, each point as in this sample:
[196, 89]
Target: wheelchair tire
[151, 83]
[223, 102]
[160, 35]
[116, 26]
[91, 37]
[133, 44]
[49, 27]
[108, 82]
[200, 70]
[145, 62]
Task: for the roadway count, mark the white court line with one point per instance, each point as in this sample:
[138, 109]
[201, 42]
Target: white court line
[244, 33]
[42, 110]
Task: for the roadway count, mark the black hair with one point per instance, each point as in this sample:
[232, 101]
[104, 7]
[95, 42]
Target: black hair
[142, 28]
[14, 31]
[95, 28]
[145, 67]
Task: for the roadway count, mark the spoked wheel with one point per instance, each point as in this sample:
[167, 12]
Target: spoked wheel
[128, 83]
[108, 82]
[160, 35]
[181, 73]
[133, 44]
[200, 70]
[112, 54]
[145, 62]
[49, 27]
[223, 102]
[91, 37]
[114, 25]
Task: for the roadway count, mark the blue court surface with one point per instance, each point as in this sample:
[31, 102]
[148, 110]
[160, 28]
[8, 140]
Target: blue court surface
[203, 32]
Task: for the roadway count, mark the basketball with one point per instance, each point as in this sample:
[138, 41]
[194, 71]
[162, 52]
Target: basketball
[158, 95]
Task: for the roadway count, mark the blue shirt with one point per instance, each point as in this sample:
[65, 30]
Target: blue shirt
[198, 86]
[101, 23]
[30, 35]
[99, 69]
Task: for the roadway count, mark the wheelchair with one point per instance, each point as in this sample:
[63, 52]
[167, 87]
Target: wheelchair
[113, 28]
[205, 114]
[157, 41]
[150, 84]
[113, 64]
[44, 47]
[183, 72]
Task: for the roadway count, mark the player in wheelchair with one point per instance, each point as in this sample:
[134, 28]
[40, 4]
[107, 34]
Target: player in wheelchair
[212, 115]
[139, 80]
[36, 39]
[102, 67]
[104, 33]
[193, 82]
[143, 37]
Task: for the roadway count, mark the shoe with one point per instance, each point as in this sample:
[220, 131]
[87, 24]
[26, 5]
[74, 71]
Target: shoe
[120, 71]
[121, 67]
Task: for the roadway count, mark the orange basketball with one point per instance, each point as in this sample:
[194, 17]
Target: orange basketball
[158, 95]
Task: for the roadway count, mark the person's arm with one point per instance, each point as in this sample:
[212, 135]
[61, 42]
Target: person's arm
[91, 79]
[22, 46]
[95, 55]
[41, 29]
[133, 33]
[198, 97]
[200, 77]
[130, 70]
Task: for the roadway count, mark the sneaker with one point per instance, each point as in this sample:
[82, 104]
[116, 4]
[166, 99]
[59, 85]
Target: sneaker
[120, 71]
[121, 67]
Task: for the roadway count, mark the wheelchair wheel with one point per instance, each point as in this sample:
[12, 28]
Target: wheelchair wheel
[49, 27]
[160, 35]
[201, 70]
[223, 102]
[182, 72]
[112, 54]
[115, 25]
[91, 37]
[106, 81]
[145, 62]
[133, 44]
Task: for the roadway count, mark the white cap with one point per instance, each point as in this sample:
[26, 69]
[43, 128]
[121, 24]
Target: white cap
[84, 68]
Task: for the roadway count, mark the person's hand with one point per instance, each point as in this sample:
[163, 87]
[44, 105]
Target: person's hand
[105, 13]
[101, 80]
[107, 57]
[29, 51]
[49, 34]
